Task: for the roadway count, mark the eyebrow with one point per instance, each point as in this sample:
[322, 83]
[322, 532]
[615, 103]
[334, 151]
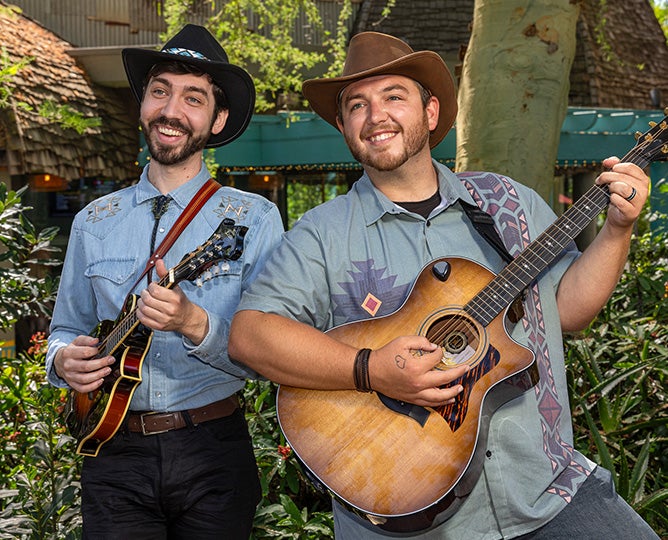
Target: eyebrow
[191, 88]
[390, 88]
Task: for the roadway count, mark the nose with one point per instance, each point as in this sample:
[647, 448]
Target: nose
[377, 111]
[171, 107]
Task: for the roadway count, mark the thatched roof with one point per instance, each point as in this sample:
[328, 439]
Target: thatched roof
[35, 144]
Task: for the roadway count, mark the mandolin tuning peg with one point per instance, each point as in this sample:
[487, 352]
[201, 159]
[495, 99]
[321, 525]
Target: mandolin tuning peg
[652, 124]
[637, 135]
[665, 111]
[664, 149]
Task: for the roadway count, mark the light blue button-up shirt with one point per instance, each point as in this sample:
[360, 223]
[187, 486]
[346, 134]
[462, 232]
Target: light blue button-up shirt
[109, 246]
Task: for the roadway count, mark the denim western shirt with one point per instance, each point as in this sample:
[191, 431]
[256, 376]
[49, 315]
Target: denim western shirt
[357, 257]
[109, 246]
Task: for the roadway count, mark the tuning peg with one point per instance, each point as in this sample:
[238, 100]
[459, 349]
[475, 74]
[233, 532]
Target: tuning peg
[637, 135]
[652, 124]
[664, 149]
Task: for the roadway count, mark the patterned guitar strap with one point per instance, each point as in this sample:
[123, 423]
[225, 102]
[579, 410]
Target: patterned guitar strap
[499, 202]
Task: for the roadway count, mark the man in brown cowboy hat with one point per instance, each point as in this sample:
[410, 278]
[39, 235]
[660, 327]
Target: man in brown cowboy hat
[181, 463]
[408, 450]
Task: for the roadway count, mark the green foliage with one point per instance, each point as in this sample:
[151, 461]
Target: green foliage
[290, 506]
[26, 253]
[618, 373]
[67, 117]
[8, 70]
[259, 36]
[39, 494]
[661, 11]
[303, 196]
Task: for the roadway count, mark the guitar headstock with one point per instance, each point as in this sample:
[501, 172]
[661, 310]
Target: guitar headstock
[226, 243]
[651, 146]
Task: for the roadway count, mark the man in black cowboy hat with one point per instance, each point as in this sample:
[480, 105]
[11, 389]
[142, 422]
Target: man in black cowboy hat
[408, 449]
[181, 464]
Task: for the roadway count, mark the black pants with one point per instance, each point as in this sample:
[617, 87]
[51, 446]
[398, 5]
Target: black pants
[193, 483]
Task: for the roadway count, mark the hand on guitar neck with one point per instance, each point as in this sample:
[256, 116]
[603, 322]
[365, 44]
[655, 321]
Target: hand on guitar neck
[169, 310]
[158, 308]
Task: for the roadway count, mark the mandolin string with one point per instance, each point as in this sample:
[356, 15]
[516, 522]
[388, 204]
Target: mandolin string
[130, 319]
[126, 324]
[485, 300]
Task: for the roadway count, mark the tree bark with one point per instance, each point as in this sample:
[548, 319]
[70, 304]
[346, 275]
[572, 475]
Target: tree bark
[513, 94]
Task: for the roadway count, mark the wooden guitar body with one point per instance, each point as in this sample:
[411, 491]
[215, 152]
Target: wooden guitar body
[385, 463]
[400, 465]
[100, 413]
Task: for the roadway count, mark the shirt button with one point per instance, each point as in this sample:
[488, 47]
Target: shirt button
[157, 355]
[158, 394]
[162, 229]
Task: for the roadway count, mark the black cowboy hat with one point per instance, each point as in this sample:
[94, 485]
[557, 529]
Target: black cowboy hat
[374, 53]
[194, 45]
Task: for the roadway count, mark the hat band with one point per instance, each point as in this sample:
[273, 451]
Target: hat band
[185, 52]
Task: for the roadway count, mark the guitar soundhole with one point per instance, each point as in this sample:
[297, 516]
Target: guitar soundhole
[459, 340]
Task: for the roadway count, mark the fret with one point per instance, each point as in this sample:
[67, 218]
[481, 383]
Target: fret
[508, 285]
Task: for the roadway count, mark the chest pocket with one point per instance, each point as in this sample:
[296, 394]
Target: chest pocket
[219, 283]
[111, 280]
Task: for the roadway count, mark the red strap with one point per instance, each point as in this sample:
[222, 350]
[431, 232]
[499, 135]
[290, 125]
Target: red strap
[190, 211]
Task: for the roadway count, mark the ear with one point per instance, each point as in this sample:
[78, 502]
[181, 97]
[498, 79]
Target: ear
[339, 123]
[432, 108]
[219, 122]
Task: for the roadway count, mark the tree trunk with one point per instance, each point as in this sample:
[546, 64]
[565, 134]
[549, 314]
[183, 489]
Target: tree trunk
[513, 93]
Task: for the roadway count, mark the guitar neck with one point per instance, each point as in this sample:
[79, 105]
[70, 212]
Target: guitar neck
[127, 324]
[526, 267]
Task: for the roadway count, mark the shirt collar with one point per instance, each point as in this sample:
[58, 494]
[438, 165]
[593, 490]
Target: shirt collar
[376, 204]
[181, 195]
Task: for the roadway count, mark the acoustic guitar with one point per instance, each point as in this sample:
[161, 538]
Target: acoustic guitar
[95, 417]
[400, 465]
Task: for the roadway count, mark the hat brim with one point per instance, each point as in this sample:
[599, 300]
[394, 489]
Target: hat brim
[234, 81]
[425, 67]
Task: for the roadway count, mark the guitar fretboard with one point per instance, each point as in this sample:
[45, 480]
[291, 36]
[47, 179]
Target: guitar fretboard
[508, 285]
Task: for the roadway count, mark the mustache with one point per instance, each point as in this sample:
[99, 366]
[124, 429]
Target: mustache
[169, 122]
[377, 129]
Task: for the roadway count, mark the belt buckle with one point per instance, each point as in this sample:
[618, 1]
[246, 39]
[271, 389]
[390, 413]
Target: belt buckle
[143, 425]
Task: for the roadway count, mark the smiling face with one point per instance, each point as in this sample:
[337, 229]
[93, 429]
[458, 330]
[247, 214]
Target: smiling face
[177, 116]
[385, 122]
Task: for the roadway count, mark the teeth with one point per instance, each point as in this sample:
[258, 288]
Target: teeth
[381, 137]
[169, 131]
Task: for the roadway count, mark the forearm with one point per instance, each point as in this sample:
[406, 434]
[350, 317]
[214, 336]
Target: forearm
[589, 282]
[289, 352]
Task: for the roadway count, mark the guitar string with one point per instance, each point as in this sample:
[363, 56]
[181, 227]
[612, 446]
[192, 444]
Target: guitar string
[126, 324]
[499, 286]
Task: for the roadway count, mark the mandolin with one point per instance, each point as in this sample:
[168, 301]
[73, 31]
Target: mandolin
[95, 417]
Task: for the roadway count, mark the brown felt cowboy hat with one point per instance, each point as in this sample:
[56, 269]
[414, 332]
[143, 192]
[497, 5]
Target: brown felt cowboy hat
[373, 53]
[194, 45]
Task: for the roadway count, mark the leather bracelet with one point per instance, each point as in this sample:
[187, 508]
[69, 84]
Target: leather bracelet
[361, 371]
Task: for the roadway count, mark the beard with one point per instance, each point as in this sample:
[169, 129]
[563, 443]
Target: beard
[416, 136]
[170, 155]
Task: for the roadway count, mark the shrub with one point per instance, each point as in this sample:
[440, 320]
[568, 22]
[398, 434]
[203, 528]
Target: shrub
[618, 370]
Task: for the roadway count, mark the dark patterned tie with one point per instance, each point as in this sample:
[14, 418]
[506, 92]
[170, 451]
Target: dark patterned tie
[159, 207]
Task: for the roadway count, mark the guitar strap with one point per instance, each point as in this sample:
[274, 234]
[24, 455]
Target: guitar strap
[190, 211]
[484, 224]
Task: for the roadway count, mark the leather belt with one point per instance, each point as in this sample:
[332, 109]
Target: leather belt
[152, 423]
